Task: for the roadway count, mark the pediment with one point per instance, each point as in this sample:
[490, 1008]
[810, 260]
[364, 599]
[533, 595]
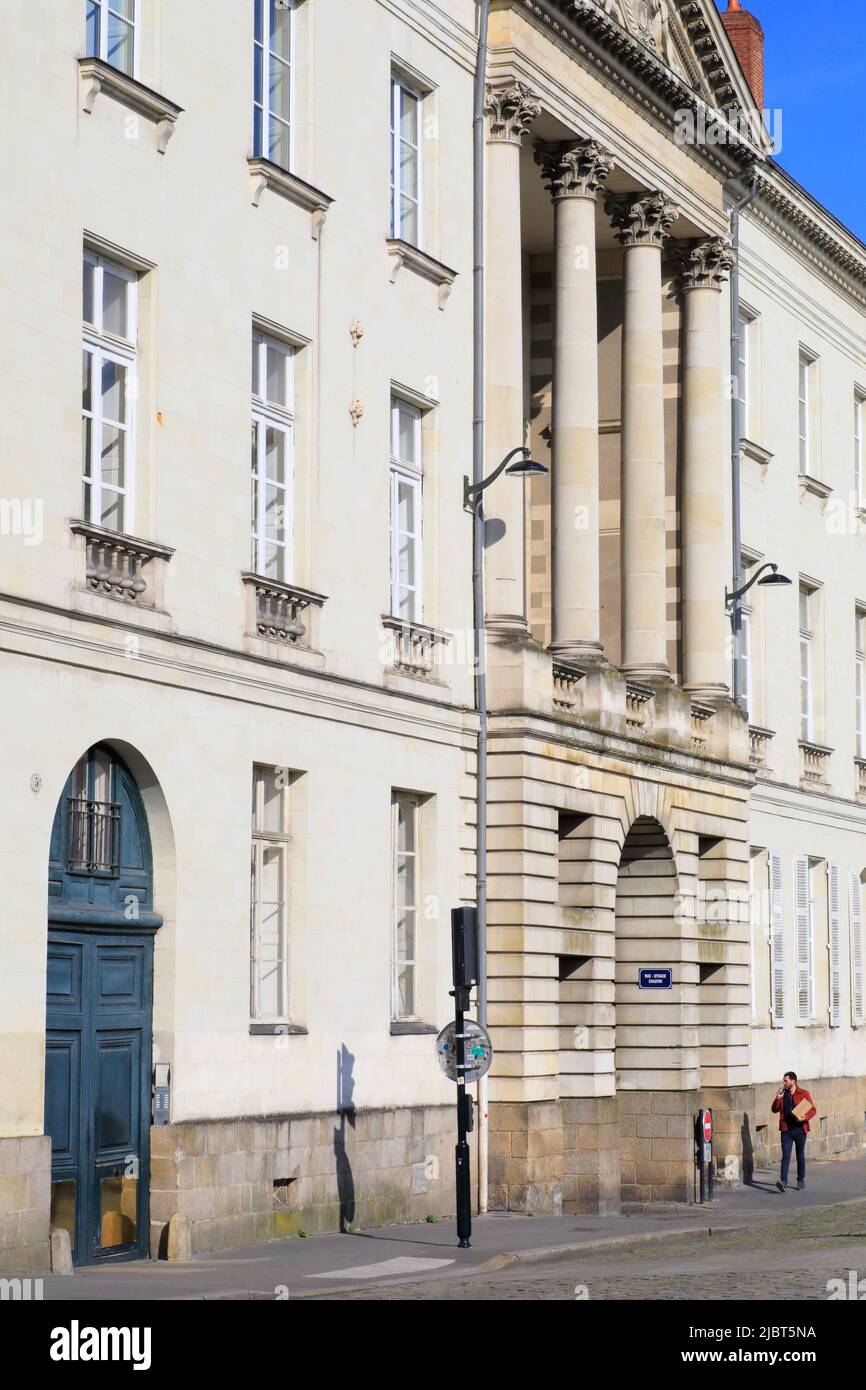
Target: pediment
[688, 36]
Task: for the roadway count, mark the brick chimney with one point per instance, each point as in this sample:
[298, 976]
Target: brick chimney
[747, 38]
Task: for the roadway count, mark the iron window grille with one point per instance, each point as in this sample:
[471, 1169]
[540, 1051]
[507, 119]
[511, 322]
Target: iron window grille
[94, 837]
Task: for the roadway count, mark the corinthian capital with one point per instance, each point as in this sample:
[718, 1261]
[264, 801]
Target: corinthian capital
[510, 112]
[706, 264]
[573, 169]
[642, 219]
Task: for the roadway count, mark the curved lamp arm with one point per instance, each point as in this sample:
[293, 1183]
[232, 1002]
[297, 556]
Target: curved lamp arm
[732, 598]
[472, 491]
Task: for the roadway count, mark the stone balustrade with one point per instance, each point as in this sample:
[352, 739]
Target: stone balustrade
[702, 722]
[567, 694]
[639, 705]
[759, 749]
[814, 766]
[121, 567]
[413, 647]
[860, 770]
[282, 610]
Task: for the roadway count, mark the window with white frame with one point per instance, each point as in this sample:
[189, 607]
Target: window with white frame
[406, 105]
[110, 32]
[806, 665]
[273, 57]
[859, 402]
[272, 457]
[745, 353]
[269, 894]
[805, 870]
[406, 816]
[860, 679]
[857, 951]
[406, 498]
[746, 654]
[108, 391]
[806, 373]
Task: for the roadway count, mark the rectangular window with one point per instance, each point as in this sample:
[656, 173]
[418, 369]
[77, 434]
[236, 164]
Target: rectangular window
[272, 457]
[743, 372]
[405, 162]
[108, 389]
[804, 904]
[273, 56]
[406, 497]
[805, 408]
[834, 944]
[405, 819]
[777, 942]
[269, 895]
[858, 449]
[858, 982]
[110, 33]
[806, 690]
[860, 680]
[746, 650]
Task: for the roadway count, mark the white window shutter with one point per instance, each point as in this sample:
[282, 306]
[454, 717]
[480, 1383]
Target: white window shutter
[858, 1002]
[804, 953]
[835, 945]
[777, 941]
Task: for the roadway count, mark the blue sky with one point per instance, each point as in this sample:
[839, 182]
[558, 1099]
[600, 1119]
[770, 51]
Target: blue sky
[816, 75]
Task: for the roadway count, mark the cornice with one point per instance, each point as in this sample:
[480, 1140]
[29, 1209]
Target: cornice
[814, 233]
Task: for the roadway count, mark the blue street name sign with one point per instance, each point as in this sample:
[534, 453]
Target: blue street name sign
[655, 979]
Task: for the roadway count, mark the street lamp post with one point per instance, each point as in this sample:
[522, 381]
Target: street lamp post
[517, 464]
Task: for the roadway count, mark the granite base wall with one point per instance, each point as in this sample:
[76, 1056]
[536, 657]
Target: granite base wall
[25, 1204]
[256, 1179]
[747, 1132]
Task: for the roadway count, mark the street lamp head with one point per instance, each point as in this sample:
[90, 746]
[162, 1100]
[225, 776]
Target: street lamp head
[774, 577]
[526, 467]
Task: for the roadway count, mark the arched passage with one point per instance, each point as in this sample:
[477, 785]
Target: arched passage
[656, 1057]
[99, 1009]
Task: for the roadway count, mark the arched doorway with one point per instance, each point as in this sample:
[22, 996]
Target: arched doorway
[99, 992]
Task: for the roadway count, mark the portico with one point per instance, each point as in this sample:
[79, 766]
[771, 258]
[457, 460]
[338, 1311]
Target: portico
[617, 761]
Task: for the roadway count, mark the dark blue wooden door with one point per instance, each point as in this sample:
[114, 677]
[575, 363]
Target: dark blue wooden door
[97, 1088]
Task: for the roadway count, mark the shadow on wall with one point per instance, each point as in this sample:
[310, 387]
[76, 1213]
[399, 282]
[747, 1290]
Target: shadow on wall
[346, 1113]
[748, 1151]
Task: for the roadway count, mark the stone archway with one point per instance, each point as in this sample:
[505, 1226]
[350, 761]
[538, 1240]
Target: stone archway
[656, 1036]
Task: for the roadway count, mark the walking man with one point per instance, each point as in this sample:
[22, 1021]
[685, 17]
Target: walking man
[793, 1128]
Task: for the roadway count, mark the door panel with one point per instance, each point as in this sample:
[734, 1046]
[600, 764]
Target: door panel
[97, 1089]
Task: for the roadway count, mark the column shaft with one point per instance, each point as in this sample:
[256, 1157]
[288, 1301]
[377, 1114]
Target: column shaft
[643, 224]
[510, 112]
[574, 173]
[705, 504]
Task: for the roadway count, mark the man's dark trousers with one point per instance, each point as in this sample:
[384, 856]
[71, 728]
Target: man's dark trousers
[794, 1138]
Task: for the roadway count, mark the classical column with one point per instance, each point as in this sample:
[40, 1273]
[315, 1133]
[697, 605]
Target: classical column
[642, 222]
[705, 500]
[510, 112]
[574, 173]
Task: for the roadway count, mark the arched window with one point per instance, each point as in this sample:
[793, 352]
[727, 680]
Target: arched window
[100, 847]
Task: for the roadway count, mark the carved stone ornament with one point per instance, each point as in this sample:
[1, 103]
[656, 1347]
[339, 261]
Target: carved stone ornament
[649, 21]
[356, 410]
[706, 265]
[574, 170]
[643, 219]
[510, 112]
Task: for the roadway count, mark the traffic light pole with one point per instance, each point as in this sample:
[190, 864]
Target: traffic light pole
[464, 1122]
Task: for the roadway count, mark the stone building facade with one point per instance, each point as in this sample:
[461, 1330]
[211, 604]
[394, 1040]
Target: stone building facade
[238, 697]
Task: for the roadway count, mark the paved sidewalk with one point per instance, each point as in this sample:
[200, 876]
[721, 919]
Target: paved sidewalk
[296, 1267]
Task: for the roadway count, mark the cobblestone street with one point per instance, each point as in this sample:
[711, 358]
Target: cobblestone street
[792, 1259]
